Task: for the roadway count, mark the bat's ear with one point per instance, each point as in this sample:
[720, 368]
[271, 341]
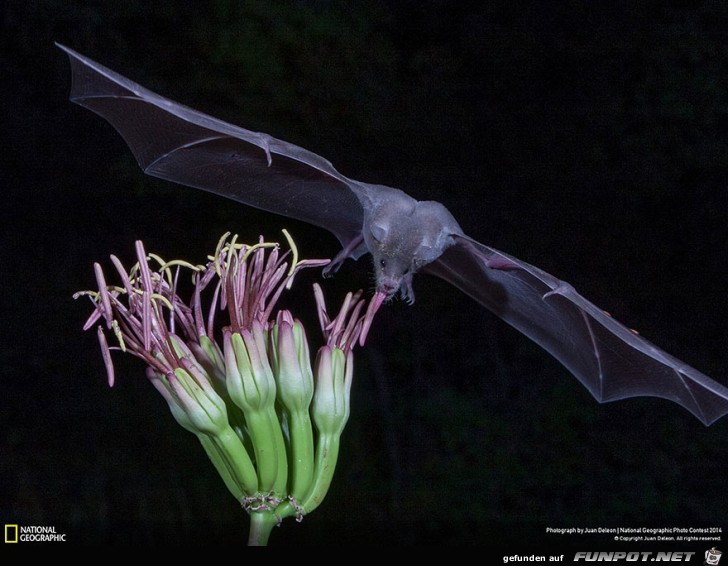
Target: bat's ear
[379, 230]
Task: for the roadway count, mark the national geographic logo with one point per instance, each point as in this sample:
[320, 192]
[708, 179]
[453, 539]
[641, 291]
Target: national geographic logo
[15, 533]
[11, 533]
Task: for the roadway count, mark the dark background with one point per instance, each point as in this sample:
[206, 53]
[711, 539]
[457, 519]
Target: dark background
[588, 138]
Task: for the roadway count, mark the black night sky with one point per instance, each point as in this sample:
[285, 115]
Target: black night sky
[587, 138]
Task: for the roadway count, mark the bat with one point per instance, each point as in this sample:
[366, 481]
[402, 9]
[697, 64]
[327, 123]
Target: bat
[404, 236]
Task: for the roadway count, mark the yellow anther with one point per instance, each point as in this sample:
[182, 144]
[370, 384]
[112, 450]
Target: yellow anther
[220, 244]
[183, 263]
[93, 294]
[251, 249]
[119, 336]
[294, 253]
[156, 258]
[134, 268]
[162, 298]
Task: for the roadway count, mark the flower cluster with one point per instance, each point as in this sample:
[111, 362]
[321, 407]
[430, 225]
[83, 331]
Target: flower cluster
[269, 421]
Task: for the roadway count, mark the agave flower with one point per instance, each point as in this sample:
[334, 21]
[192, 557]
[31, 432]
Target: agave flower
[270, 423]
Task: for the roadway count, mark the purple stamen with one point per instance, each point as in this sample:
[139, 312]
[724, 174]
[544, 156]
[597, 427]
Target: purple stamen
[104, 295]
[106, 355]
[249, 284]
[146, 296]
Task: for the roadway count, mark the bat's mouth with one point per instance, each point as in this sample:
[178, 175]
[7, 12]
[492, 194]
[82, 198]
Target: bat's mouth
[388, 287]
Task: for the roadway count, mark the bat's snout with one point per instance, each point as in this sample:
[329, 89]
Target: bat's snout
[388, 286]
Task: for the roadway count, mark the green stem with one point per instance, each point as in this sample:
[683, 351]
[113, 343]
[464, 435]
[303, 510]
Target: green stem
[222, 469]
[280, 487]
[238, 459]
[261, 525]
[302, 454]
[231, 460]
[271, 459]
[327, 454]
[263, 436]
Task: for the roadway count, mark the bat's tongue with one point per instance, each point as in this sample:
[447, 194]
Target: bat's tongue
[372, 309]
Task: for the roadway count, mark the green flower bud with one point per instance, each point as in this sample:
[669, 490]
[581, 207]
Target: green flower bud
[249, 376]
[330, 407]
[294, 377]
[191, 398]
[292, 365]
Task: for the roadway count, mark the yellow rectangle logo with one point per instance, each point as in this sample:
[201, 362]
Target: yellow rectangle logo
[11, 533]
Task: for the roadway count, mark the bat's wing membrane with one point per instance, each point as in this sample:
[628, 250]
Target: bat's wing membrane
[612, 361]
[179, 144]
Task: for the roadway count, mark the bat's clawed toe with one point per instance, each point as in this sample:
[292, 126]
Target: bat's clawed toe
[330, 269]
[406, 290]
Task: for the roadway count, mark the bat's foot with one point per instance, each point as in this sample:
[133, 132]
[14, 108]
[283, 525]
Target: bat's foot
[331, 268]
[336, 263]
[405, 289]
[354, 249]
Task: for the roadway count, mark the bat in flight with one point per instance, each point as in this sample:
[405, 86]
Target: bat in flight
[403, 236]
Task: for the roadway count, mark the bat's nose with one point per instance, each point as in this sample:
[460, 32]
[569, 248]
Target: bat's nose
[388, 285]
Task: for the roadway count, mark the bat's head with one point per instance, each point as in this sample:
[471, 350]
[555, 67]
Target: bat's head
[393, 273]
[401, 243]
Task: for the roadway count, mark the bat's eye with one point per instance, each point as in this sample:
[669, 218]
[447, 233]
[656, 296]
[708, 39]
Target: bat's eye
[382, 263]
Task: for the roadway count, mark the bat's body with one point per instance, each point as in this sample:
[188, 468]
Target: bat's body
[403, 235]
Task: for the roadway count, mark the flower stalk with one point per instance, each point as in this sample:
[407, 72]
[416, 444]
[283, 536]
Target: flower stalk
[334, 370]
[292, 368]
[252, 388]
[244, 386]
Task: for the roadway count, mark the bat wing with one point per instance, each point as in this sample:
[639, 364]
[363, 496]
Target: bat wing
[179, 144]
[612, 361]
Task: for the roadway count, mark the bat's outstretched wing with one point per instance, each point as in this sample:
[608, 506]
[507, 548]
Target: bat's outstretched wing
[612, 361]
[179, 144]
